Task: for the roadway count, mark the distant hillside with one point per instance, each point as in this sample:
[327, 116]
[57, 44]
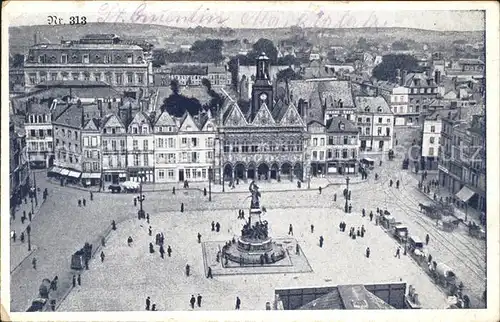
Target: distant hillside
[22, 37]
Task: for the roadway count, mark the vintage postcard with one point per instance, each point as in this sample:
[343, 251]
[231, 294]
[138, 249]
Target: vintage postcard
[249, 161]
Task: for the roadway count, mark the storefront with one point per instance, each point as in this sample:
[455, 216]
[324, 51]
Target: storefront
[147, 174]
[115, 176]
[342, 167]
[91, 179]
[193, 174]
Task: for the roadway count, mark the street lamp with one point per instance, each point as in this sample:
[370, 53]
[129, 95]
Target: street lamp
[28, 231]
[140, 213]
[210, 173]
[346, 207]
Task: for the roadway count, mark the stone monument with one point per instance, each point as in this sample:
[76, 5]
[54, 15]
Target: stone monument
[254, 246]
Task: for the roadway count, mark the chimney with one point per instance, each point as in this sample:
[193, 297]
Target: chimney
[437, 77]
[341, 104]
[99, 107]
[403, 78]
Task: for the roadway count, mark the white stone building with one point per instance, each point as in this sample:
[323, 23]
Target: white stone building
[140, 147]
[375, 122]
[165, 148]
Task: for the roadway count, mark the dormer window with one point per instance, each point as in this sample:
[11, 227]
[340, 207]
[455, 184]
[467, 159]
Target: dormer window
[134, 129]
[145, 129]
[367, 109]
[379, 109]
[188, 128]
[341, 126]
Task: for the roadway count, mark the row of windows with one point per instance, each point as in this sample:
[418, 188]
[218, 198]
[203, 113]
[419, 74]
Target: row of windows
[273, 147]
[34, 119]
[40, 146]
[62, 145]
[41, 133]
[408, 109]
[336, 140]
[334, 154]
[67, 133]
[379, 131]
[90, 141]
[85, 59]
[91, 166]
[66, 157]
[423, 90]
[86, 76]
[94, 154]
[185, 157]
[379, 120]
[188, 174]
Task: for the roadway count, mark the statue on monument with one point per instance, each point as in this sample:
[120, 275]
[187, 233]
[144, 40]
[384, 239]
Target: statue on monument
[254, 190]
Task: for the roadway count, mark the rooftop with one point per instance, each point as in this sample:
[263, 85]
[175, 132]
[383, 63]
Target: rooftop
[334, 125]
[74, 45]
[71, 116]
[375, 104]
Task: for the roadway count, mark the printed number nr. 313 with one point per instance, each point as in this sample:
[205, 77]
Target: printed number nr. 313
[77, 20]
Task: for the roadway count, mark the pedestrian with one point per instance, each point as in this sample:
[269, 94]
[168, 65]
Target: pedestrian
[242, 214]
[102, 256]
[349, 195]
[358, 232]
[362, 231]
[378, 210]
[198, 300]
[321, 241]
[397, 184]
[350, 232]
[147, 218]
[290, 230]
[238, 303]
[367, 252]
[150, 231]
[429, 258]
[113, 225]
[182, 207]
[297, 249]
[173, 190]
[169, 251]
[135, 202]
[74, 281]
[13, 235]
[192, 301]
[380, 163]
[390, 183]
[33, 262]
[213, 226]
[148, 303]
[350, 208]
[53, 283]
[162, 251]
[30, 215]
[22, 237]
[151, 248]
[205, 192]
[371, 215]
[84, 202]
[340, 226]
[319, 190]
[153, 308]
[363, 212]
[217, 227]
[209, 272]
[312, 229]
[427, 239]
[199, 238]
[79, 202]
[398, 252]
[79, 280]
[91, 196]
[334, 197]
[376, 176]
[188, 269]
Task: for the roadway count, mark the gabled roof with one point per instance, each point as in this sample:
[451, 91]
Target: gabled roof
[234, 117]
[71, 116]
[112, 120]
[165, 119]
[291, 117]
[375, 104]
[263, 117]
[335, 90]
[187, 120]
[140, 118]
[92, 125]
[334, 125]
[207, 123]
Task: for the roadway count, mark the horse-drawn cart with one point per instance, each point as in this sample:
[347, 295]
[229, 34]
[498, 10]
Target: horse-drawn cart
[430, 210]
[476, 231]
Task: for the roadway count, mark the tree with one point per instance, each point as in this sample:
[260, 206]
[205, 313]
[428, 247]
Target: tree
[266, 46]
[287, 60]
[16, 61]
[362, 43]
[399, 45]
[287, 74]
[386, 70]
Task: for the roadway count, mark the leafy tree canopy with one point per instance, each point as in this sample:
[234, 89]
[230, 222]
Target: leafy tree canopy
[399, 45]
[390, 63]
[287, 74]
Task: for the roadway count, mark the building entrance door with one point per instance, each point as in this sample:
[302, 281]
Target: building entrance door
[181, 175]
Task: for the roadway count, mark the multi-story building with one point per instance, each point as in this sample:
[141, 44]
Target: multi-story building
[339, 151]
[122, 66]
[67, 127]
[140, 147]
[431, 138]
[165, 148]
[114, 148]
[18, 165]
[375, 123]
[192, 75]
[422, 90]
[39, 139]
[462, 160]
[317, 148]
[91, 145]
[337, 99]
[399, 99]
[196, 138]
[267, 140]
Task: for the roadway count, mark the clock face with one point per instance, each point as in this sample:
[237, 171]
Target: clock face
[263, 96]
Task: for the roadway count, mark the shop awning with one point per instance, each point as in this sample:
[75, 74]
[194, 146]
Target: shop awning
[74, 174]
[465, 194]
[91, 175]
[55, 169]
[37, 157]
[64, 172]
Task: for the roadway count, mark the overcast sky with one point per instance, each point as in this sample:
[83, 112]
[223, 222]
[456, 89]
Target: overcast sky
[257, 14]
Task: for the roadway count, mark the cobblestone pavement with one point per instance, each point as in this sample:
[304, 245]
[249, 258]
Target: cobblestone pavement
[63, 227]
[129, 274]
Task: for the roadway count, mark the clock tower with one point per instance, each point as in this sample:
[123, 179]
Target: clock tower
[262, 89]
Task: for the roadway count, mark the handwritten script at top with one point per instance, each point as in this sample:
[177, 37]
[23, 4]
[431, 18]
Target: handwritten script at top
[203, 16]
